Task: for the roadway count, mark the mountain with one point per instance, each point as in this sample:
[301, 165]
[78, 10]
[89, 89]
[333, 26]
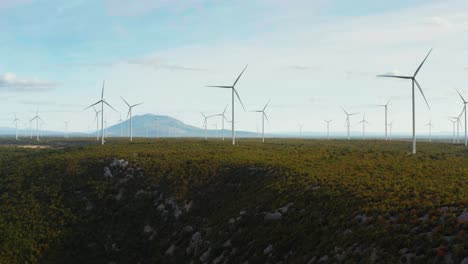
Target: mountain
[145, 125]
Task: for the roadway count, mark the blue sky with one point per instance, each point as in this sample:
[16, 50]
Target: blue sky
[309, 57]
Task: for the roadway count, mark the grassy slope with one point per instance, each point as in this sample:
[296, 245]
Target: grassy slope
[330, 183]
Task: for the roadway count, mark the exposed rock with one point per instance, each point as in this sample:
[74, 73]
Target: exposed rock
[268, 250]
[107, 173]
[464, 261]
[232, 221]
[463, 217]
[323, 259]
[148, 229]
[119, 195]
[273, 216]
[205, 256]
[170, 250]
[227, 243]
[285, 208]
[188, 229]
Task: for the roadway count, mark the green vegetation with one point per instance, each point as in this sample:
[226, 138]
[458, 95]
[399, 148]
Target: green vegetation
[286, 200]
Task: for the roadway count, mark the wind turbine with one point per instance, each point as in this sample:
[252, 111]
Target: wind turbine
[130, 108]
[102, 102]
[96, 118]
[16, 126]
[348, 123]
[223, 118]
[390, 129]
[430, 130]
[457, 118]
[328, 128]
[37, 118]
[363, 122]
[386, 113]
[413, 82]
[205, 124]
[300, 130]
[157, 126]
[66, 129]
[233, 91]
[263, 119]
[464, 110]
[454, 121]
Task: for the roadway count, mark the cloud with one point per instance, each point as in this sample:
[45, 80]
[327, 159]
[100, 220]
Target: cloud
[161, 64]
[11, 82]
[12, 3]
[439, 21]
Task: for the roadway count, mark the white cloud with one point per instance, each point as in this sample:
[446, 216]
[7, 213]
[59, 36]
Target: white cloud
[10, 82]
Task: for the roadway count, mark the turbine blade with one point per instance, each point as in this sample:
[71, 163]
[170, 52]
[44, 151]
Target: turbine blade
[225, 109]
[463, 99]
[266, 117]
[416, 73]
[240, 76]
[394, 76]
[264, 108]
[102, 92]
[238, 97]
[417, 84]
[137, 104]
[92, 105]
[344, 110]
[110, 106]
[388, 102]
[125, 101]
[219, 86]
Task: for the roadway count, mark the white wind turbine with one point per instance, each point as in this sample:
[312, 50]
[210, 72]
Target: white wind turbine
[37, 118]
[457, 119]
[390, 129]
[386, 114]
[328, 128]
[102, 102]
[205, 123]
[453, 129]
[16, 126]
[430, 126]
[66, 129]
[233, 91]
[130, 112]
[364, 123]
[300, 130]
[413, 82]
[96, 118]
[464, 110]
[263, 119]
[223, 118]
[348, 123]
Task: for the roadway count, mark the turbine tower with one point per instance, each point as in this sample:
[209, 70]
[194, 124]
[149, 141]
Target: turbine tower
[223, 118]
[102, 102]
[37, 118]
[386, 114]
[300, 130]
[348, 123]
[233, 92]
[363, 122]
[430, 130]
[263, 119]
[16, 126]
[453, 121]
[205, 124]
[130, 108]
[66, 129]
[413, 82]
[390, 129]
[328, 128]
[464, 110]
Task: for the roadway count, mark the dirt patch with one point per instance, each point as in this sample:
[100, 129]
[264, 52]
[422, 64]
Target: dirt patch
[27, 146]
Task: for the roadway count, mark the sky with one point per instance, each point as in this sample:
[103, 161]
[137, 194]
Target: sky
[308, 56]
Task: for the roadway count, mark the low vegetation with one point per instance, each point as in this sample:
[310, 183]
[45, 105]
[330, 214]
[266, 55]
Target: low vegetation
[294, 201]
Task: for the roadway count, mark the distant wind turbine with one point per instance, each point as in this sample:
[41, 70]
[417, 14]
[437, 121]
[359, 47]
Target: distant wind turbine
[96, 118]
[130, 108]
[386, 113]
[348, 123]
[300, 130]
[37, 118]
[16, 126]
[364, 123]
[413, 82]
[464, 110]
[390, 129]
[328, 128]
[233, 91]
[223, 118]
[264, 115]
[205, 124]
[66, 129]
[102, 102]
[157, 126]
[453, 129]
[430, 126]
[120, 125]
